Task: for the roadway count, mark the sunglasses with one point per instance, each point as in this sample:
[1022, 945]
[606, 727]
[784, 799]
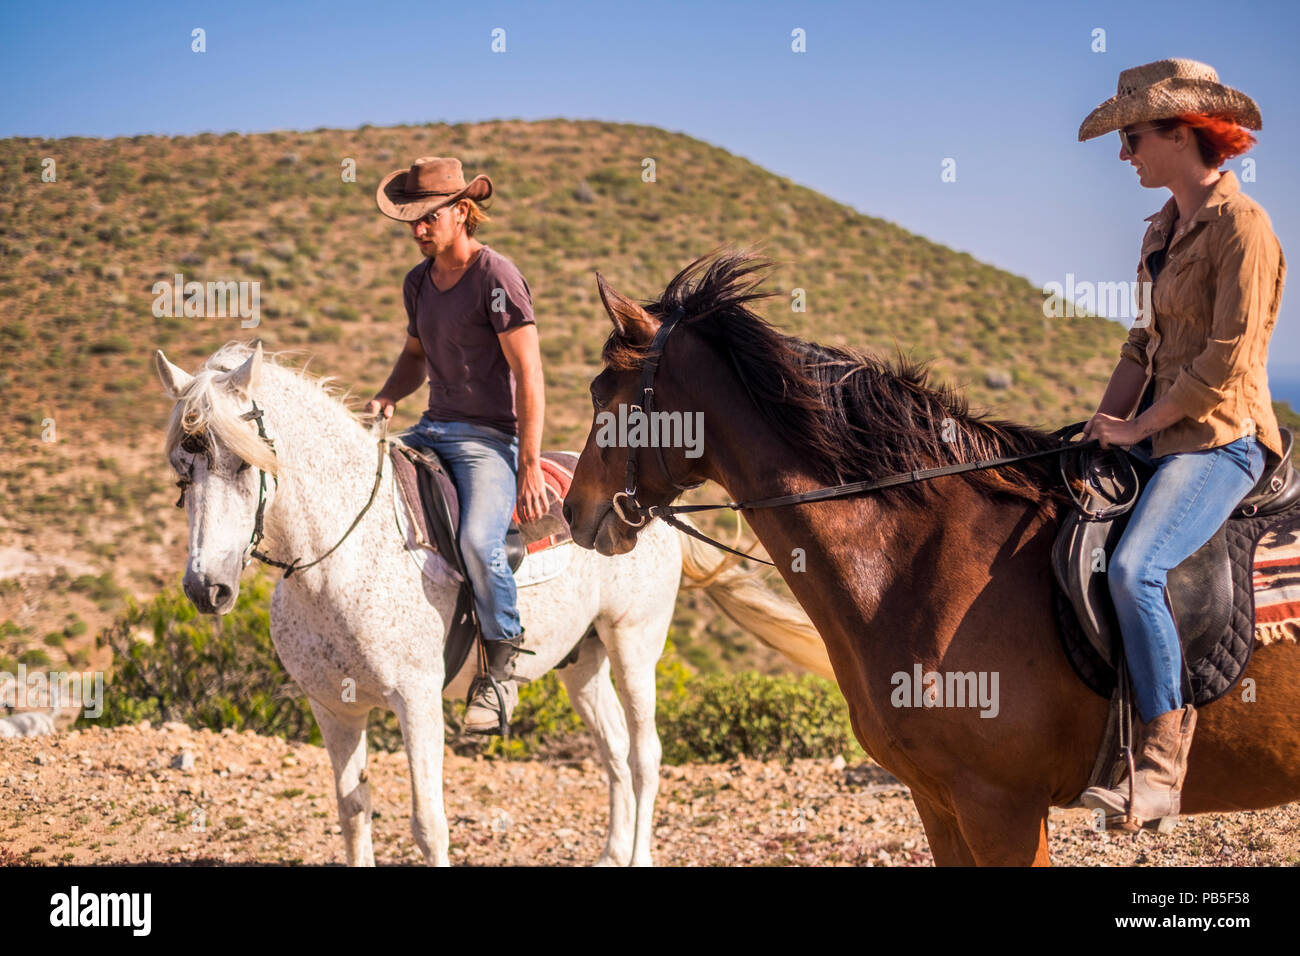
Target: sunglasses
[1129, 138]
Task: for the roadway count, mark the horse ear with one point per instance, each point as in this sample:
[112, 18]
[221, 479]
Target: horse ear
[630, 320]
[243, 377]
[174, 380]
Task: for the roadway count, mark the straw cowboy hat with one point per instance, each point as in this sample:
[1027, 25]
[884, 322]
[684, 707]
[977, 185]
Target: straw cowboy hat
[1167, 88]
[431, 183]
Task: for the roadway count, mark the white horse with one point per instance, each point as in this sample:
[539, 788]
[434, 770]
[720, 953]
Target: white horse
[364, 628]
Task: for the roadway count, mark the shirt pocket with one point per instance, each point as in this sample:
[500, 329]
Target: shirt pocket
[1185, 288]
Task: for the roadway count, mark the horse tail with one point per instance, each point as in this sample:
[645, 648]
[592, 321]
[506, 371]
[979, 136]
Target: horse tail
[743, 597]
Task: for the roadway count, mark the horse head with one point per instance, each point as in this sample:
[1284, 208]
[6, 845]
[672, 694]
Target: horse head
[217, 445]
[646, 443]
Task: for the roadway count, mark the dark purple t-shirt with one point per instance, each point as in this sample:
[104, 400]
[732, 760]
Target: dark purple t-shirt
[469, 377]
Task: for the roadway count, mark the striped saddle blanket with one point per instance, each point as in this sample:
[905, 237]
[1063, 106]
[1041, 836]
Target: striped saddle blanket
[1277, 587]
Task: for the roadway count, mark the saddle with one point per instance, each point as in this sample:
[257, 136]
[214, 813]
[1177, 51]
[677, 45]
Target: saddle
[429, 495]
[1210, 595]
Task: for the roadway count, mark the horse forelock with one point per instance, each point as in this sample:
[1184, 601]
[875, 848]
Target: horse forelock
[210, 407]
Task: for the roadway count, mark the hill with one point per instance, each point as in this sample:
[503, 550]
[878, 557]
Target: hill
[88, 513]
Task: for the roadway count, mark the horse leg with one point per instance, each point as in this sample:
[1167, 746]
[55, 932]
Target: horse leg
[592, 695]
[1003, 829]
[419, 711]
[633, 651]
[345, 739]
[947, 845]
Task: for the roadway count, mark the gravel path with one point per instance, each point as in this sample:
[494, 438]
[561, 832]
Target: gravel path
[113, 796]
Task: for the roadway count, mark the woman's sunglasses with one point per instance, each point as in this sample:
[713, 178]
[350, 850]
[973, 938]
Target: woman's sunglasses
[1129, 138]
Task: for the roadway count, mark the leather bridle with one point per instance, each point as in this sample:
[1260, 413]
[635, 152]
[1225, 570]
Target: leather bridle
[627, 497]
[255, 414]
[625, 500]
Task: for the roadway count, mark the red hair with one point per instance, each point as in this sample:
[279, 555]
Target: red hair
[1218, 137]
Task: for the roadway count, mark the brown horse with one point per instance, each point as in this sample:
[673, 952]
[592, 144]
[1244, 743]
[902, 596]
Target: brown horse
[949, 576]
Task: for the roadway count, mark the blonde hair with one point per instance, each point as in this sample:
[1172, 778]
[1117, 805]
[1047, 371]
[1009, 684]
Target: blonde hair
[475, 216]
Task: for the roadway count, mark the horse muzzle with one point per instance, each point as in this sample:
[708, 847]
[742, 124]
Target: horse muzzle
[209, 596]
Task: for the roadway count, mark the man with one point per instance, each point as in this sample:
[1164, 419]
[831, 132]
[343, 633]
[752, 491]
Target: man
[471, 331]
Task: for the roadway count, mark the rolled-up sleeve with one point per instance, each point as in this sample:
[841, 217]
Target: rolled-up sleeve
[1245, 285]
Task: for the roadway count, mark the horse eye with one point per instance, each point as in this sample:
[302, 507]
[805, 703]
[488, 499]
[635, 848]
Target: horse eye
[243, 467]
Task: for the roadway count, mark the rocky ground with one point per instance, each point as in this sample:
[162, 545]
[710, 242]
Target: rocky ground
[177, 796]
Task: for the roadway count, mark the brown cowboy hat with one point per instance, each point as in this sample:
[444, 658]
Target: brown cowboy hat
[431, 183]
[1167, 88]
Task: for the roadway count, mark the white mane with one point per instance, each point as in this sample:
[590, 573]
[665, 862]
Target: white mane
[207, 406]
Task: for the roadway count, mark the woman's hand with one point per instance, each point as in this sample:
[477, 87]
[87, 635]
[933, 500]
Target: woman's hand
[1109, 430]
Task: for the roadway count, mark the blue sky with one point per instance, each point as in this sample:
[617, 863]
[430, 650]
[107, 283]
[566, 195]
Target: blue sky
[884, 93]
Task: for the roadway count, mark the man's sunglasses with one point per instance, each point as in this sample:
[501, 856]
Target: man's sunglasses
[1129, 138]
[432, 217]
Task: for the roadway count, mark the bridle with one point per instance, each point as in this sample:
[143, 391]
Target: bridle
[255, 414]
[625, 500]
[627, 497]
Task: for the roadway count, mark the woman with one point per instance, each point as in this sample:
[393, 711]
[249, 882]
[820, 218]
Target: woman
[1218, 272]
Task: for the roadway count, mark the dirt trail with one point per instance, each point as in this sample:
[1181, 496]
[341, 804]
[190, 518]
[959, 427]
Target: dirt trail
[113, 796]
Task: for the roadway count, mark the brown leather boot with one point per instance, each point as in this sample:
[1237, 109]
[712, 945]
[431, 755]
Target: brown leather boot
[1160, 767]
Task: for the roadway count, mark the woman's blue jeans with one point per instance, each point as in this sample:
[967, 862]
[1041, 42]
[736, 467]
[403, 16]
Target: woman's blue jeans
[484, 463]
[1190, 495]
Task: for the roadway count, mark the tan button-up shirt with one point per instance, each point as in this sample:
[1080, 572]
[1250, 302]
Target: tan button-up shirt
[1215, 302]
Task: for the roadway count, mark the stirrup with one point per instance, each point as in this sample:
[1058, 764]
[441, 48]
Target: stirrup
[503, 723]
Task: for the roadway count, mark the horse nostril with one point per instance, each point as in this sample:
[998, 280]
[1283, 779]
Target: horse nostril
[568, 514]
[218, 594]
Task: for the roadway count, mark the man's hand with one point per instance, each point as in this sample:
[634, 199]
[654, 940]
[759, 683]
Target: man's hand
[1109, 430]
[380, 406]
[531, 503]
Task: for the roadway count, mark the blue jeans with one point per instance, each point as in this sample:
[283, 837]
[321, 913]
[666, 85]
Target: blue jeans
[484, 463]
[1183, 504]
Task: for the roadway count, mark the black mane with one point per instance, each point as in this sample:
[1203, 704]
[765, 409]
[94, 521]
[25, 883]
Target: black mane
[852, 416]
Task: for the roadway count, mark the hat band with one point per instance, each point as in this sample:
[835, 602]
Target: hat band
[428, 192]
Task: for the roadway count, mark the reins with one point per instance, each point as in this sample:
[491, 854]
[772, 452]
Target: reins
[627, 497]
[666, 512]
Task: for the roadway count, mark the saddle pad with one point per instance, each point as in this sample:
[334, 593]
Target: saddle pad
[550, 529]
[546, 532]
[425, 554]
[1219, 670]
[536, 567]
[431, 543]
[1277, 587]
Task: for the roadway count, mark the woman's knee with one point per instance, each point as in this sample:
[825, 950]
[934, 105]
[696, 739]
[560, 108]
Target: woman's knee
[1127, 574]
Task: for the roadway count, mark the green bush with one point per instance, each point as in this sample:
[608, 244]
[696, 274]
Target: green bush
[720, 717]
[223, 672]
[201, 670]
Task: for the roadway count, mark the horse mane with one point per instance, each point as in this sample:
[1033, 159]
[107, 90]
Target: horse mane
[852, 416]
[204, 410]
